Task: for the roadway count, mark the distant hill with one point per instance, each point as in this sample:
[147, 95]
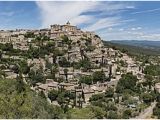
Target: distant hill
[135, 47]
[140, 43]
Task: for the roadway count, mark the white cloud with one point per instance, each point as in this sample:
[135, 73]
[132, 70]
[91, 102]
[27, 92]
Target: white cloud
[146, 11]
[60, 12]
[104, 23]
[133, 29]
[129, 34]
[136, 28]
[121, 29]
[130, 7]
[81, 19]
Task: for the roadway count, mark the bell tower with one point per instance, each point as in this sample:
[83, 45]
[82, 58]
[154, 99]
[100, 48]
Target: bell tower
[68, 23]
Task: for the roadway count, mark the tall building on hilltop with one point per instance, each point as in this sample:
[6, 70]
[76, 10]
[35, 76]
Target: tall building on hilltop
[67, 29]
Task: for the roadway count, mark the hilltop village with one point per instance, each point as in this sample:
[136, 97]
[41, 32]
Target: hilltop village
[72, 68]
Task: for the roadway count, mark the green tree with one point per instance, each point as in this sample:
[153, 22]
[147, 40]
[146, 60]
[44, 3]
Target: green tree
[65, 39]
[99, 76]
[86, 79]
[54, 70]
[54, 55]
[85, 64]
[82, 53]
[111, 115]
[42, 95]
[149, 81]
[153, 70]
[96, 97]
[110, 106]
[23, 67]
[109, 92]
[128, 81]
[156, 110]
[61, 99]
[52, 95]
[66, 74]
[20, 86]
[64, 62]
[36, 76]
[7, 47]
[29, 35]
[127, 114]
[147, 98]
[0, 55]
[25, 104]
[102, 58]
[98, 111]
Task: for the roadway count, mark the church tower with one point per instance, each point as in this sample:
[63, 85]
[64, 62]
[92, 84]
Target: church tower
[68, 23]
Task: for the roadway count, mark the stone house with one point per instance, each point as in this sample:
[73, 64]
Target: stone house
[66, 86]
[10, 74]
[157, 87]
[49, 85]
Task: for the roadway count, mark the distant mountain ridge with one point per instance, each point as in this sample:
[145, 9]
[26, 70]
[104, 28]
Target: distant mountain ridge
[135, 46]
[139, 43]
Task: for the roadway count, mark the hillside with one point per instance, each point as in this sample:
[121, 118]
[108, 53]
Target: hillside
[136, 47]
[140, 43]
[18, 101]
[64, 72]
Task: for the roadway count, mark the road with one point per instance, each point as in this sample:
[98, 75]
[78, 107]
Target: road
[147, 112]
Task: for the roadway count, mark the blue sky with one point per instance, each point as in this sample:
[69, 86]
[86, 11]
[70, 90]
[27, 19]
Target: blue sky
[111, 20]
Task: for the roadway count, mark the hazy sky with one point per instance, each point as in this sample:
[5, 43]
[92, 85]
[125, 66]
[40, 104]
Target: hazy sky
[110, 20]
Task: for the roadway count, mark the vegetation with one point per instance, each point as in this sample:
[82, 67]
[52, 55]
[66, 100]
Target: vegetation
[86, 79]
[36, 76]
[127, 82]
[132, 50]
[147, 98]
[52, 95]
[17, 103]
[84, 113]
[156, 110]
[99, 76]
[29, 35]
[125, 100]
[153, 70]
[85, 64]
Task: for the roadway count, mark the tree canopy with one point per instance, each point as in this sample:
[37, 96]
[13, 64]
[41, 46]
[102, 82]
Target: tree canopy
[17, 104]
[128, 81]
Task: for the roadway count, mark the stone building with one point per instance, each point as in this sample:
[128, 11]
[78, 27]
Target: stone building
[157, 87]
[60, 30]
